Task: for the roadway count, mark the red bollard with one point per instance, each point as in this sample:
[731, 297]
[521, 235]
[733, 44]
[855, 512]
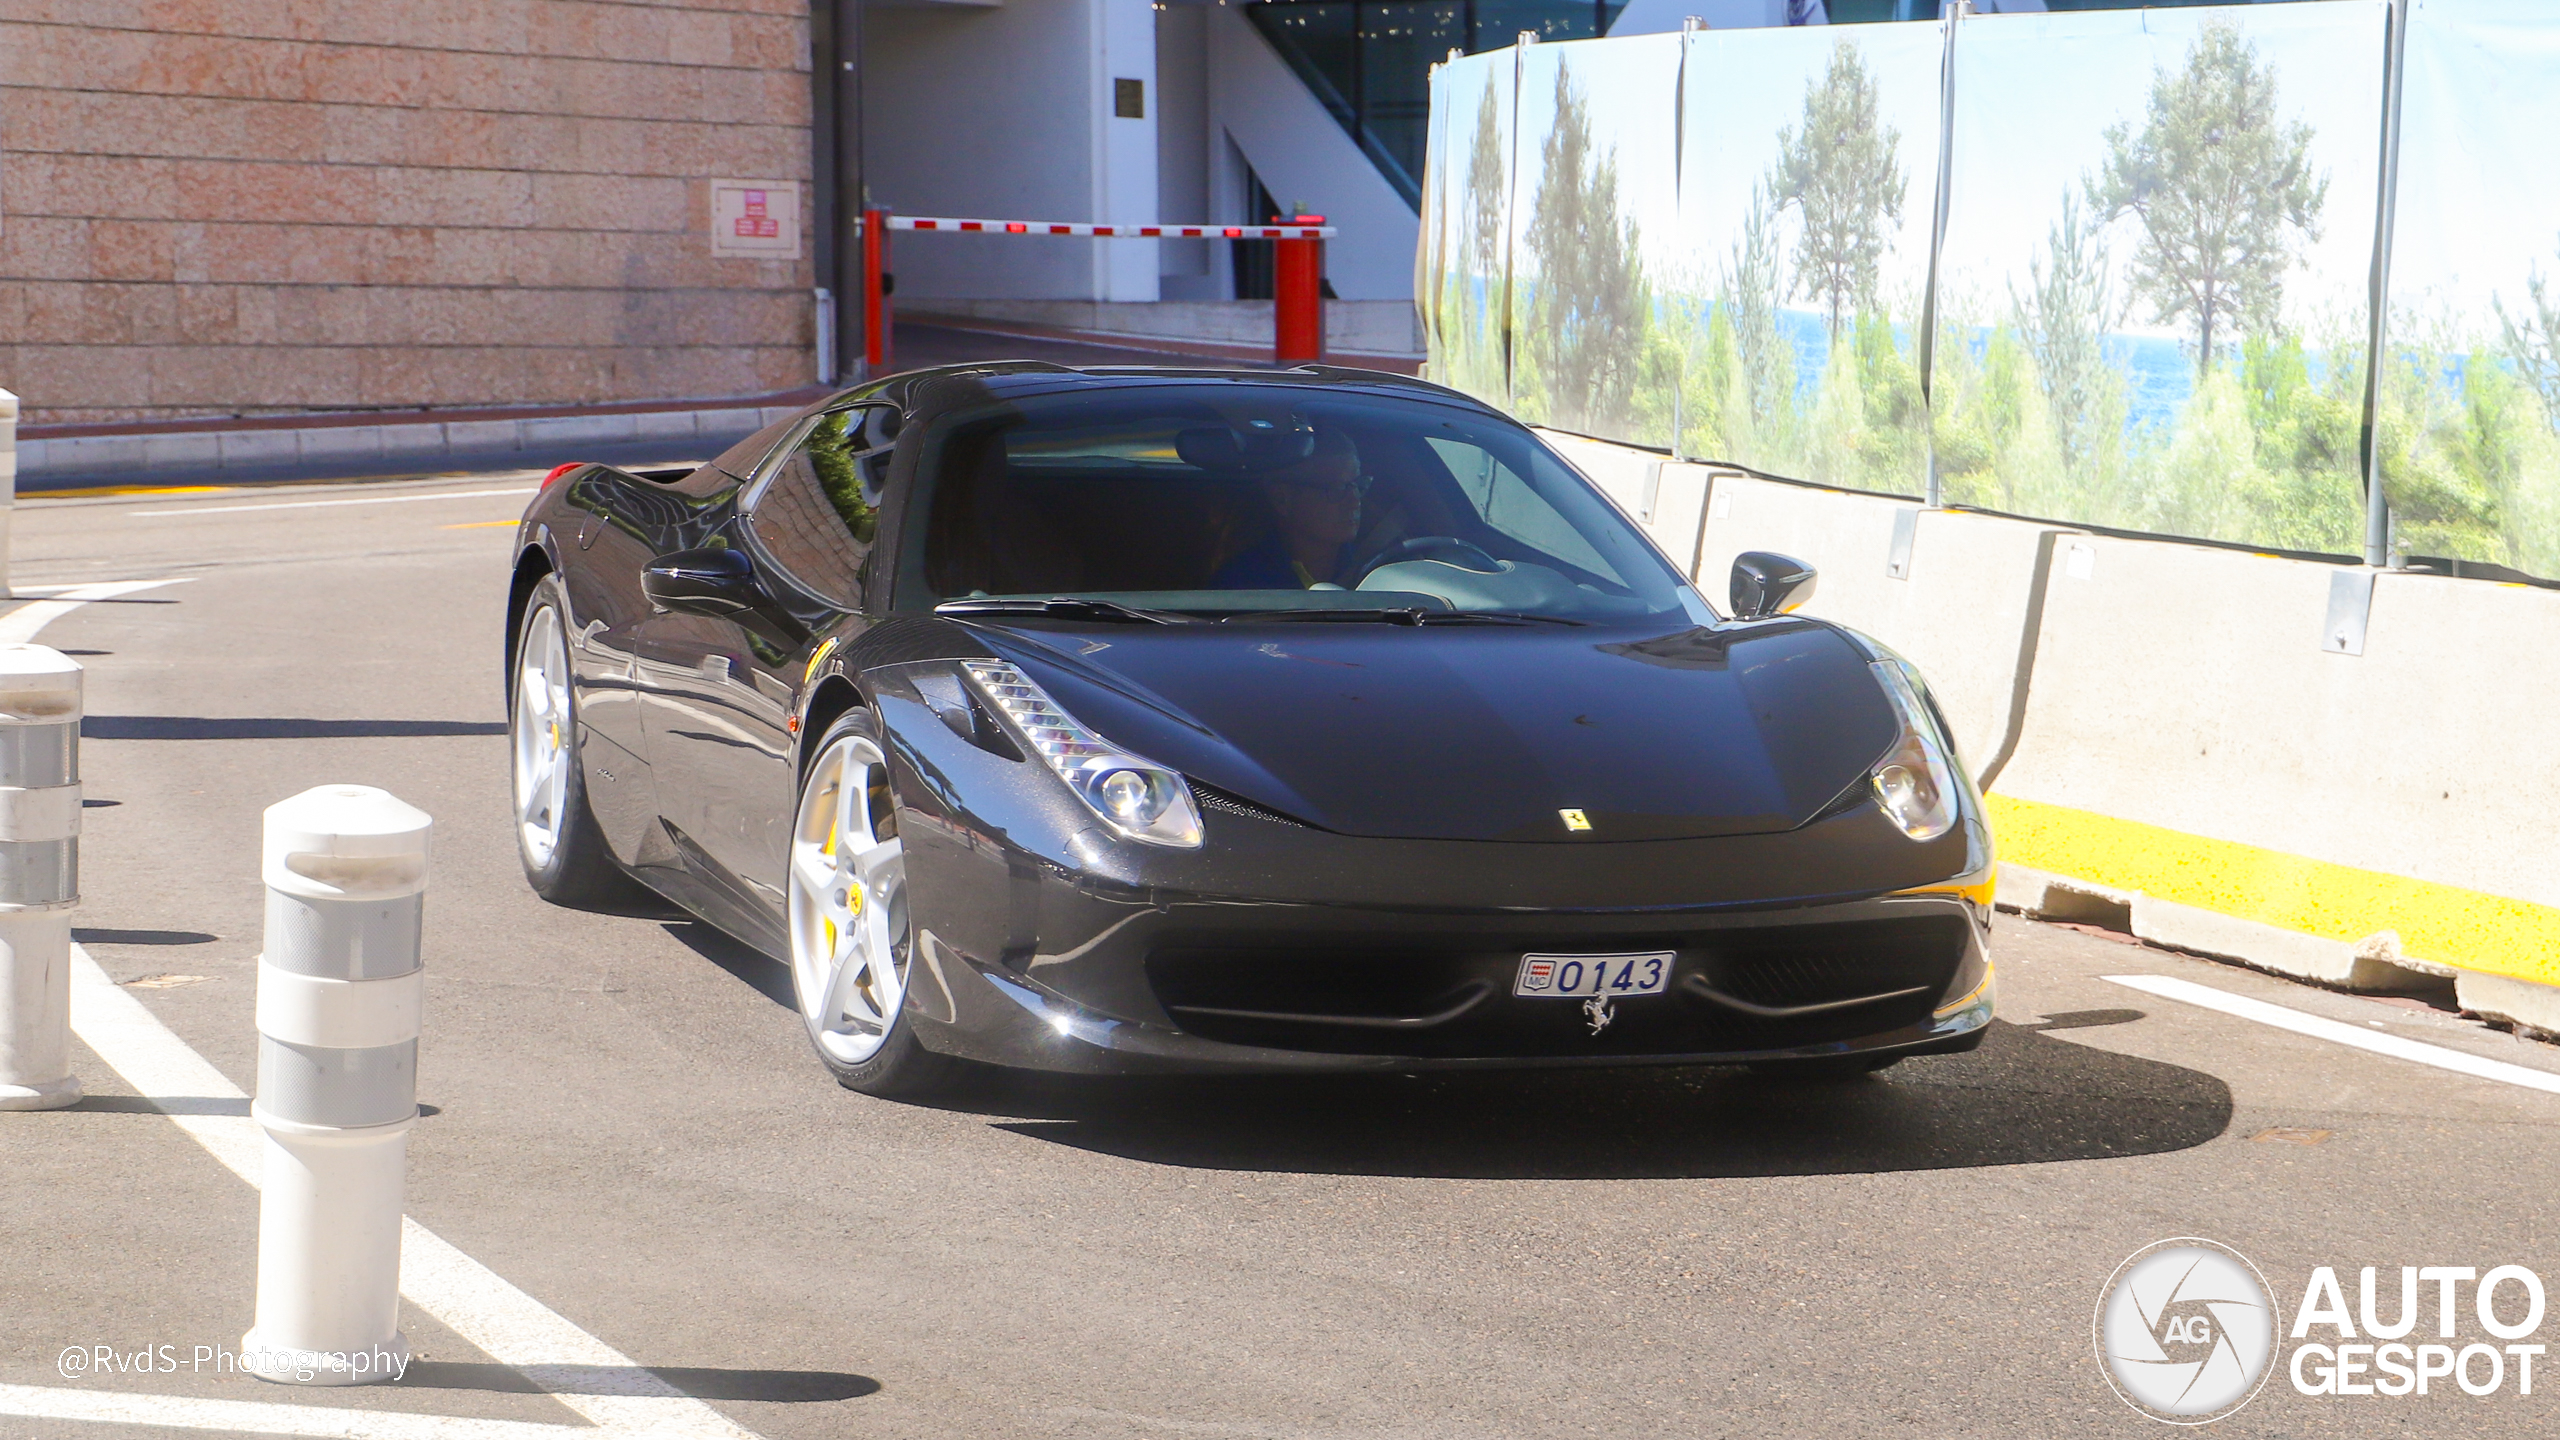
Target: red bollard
[1298, 298]
[875, 289]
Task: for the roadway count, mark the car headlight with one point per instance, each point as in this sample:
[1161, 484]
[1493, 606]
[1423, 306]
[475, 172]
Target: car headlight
[1139, 798]
[1915, 782]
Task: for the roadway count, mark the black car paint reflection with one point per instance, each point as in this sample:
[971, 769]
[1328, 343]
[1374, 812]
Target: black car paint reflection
[1380, 802]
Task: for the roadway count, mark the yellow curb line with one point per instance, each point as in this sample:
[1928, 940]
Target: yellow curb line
[2446, 924]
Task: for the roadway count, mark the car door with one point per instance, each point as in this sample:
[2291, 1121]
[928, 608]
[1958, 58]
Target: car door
[615, 526]
[725, 687]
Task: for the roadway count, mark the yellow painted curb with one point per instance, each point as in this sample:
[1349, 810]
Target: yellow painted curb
[2446, 924]
[96, 492]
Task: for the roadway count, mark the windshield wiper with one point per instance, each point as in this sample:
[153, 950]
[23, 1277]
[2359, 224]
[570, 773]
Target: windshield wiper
[1406, 615]
[1071, 607]
[1494, 617]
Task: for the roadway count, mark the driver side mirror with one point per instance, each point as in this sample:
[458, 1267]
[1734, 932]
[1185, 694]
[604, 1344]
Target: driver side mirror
[1767, 584]
[702, 582]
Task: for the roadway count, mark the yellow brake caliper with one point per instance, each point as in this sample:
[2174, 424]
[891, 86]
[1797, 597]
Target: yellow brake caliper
[852, 894]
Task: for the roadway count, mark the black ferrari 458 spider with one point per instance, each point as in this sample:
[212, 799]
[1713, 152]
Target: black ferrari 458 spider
[1117, 720]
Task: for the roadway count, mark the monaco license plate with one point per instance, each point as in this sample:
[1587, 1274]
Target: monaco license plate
[1581, 976]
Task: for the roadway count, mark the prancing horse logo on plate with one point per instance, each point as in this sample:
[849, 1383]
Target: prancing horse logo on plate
[1597, 1011]
[1575, 820]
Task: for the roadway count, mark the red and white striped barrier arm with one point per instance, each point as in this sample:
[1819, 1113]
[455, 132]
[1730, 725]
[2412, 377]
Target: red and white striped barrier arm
[1115, 232]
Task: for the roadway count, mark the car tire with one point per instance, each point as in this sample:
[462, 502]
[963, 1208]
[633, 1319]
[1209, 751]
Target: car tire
[851, 936]
[1828, 1067]
[565, 857]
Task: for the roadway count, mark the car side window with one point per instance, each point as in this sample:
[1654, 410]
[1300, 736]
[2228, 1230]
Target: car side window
[1512, 506]
[819, 511]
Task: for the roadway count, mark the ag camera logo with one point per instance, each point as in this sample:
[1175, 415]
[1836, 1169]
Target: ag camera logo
[2186, 1331]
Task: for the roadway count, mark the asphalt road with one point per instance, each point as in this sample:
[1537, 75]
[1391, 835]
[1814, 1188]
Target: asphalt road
[627, 1125]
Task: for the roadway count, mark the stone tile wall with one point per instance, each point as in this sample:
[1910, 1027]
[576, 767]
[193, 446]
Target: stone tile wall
[255, 207]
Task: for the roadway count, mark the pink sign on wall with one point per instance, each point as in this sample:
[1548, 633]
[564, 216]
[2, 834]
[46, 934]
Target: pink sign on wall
[755, 219]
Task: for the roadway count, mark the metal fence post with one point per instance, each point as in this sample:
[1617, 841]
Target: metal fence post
[39, 873]
[1511, 210]
[339, 992]
[1933, 485]
[822, 326]
[2377, 496]
[8, 479]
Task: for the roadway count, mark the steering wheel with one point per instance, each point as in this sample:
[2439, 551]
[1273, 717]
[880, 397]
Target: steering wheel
[1448, 549]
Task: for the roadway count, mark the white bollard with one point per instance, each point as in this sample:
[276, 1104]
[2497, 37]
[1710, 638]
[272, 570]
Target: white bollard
[339, 989]
[8, 479]
[39, 873]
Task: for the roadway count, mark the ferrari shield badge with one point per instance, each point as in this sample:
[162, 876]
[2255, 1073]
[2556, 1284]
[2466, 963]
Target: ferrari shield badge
[1575, 820]
[1597, 1011]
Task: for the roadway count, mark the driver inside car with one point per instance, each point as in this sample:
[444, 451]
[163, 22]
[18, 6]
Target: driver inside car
[1315, 511]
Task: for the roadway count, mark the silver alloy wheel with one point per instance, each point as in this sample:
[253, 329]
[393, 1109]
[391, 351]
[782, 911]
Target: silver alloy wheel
[541, 737]
[848, 904]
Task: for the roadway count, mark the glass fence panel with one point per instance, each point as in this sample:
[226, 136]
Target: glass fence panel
[1809, 176]
[1595, 211]
[2470, 417]
[2153, 297]
[1469, 228]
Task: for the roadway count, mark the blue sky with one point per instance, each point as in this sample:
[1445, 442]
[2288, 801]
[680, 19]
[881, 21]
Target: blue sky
[2035, 94]
[1747, 85]
[2479, 202]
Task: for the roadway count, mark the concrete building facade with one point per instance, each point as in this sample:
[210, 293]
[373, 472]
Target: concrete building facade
[243, 207]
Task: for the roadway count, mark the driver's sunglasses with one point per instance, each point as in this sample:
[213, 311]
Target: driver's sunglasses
[1357, 487]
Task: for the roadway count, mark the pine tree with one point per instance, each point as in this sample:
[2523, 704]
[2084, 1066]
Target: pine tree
[2222, 188]
[1486, 177]
[2533, 342]
[1839, 170]
[2064, 317]
[1591, 307]
[1765, 361]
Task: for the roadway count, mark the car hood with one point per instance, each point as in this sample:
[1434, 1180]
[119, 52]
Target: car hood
[1485, 733]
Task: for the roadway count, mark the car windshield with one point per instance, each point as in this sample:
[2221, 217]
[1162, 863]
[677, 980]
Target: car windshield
[1232, 501]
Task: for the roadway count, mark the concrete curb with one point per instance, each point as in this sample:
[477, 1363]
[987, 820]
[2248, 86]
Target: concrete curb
[2370, 965]
[2533, 1009]
[184, 457]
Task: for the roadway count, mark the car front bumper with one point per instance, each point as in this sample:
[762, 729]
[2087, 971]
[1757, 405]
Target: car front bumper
[983, 1011]
[1044, 944]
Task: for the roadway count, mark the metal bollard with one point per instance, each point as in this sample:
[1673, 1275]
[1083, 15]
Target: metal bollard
[1297, 306]
[338, 1000]
[39, 873]
[877, 337]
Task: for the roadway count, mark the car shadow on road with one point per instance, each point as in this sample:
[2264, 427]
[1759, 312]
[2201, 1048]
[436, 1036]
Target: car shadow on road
[143, 937]
[2022, 1099]
[758, 971]
[786, 1386]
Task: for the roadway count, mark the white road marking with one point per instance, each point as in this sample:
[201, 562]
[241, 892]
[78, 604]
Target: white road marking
[264, 1418]
[352, 500]
[2339, 1032]
[19, 626]
[155, 1061]
[470, 1299]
